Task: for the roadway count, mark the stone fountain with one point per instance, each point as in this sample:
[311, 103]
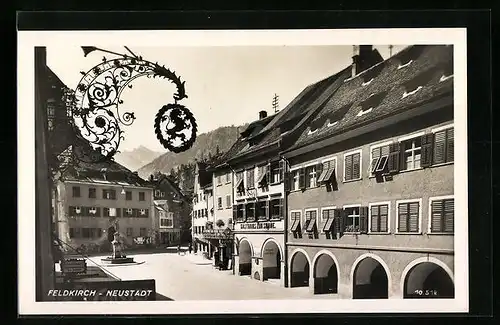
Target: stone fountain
[118, 257]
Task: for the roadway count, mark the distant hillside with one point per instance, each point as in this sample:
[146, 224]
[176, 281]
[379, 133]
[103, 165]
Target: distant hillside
[136, 158]
[206, 145]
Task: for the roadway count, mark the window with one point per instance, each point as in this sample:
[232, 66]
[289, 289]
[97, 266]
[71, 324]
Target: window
[239, 184]
[143, 213]
[143, 232]
[130, 232]
[250, 178]
[328, 171]
[219, 180]
[109, 194]
[408, 217]
[86, 233]
[310, 174]
[76, 191]
[276, 171]
[239, 212]
[228, 177]
[129, 212]
[229, 202]
[352, 166]
[310, 221]
[263, 175]
[294, 180]
[92, 193]
[379, 217]
[142, 196]
[353, 219]
[442, 215]
[443, 151]
[128, 195]
[412, 153]
[250, 211]
[379, 159]
[327, 219]
[295, 217]
[262, 210]
[276, 208]
[219, 203]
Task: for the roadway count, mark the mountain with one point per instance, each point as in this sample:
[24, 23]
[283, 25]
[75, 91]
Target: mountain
[136, 158]
[205, 146]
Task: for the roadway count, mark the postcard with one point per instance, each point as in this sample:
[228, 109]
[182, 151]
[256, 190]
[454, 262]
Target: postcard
[223, 172]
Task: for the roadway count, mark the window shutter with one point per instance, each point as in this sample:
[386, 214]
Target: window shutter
[282, 169]
[439, 147]
[450, 155]
[403, 217]
[319, 170]
[287, 181]
[97, 212]
[356, 166]
[393, 161]
[348, 168]
[268, 174]
[374, 219]
[118, 212]
[71, 211]
[343, 220]
[266, 207]
[436, 216]
[402, 157]
[302, 178]
[282, 209]
[383, 215]
[413, 217]
[235, 212]
[337, 221]
[449, 212]
[427, 144]
[363, 220]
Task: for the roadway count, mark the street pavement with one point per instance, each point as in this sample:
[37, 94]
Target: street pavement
[191, 277]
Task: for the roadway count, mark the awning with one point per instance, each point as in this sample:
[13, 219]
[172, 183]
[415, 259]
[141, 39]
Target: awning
[328, 225]
[295, 225]
[238, 183]
[262, 175]
[310, 225]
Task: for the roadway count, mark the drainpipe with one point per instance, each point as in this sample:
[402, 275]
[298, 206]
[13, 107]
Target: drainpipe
[285, 223]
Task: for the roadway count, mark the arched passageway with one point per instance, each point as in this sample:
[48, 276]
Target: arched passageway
[370, 280]
[428, 280]
[245, 258]
[325, 275]
[299, 270]
[271, 261]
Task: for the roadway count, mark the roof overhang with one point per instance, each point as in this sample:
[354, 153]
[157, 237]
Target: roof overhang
[381, 122]
[254, 154]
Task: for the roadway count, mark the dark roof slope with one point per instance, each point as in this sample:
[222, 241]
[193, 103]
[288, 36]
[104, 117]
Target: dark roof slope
[101, 172]
[380, 91]
[298, 110]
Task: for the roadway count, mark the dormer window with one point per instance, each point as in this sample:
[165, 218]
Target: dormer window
[418, 82]
[315, 125]
[332, 123]
[447, 71]
[366, 83]
[406, 57]
[311, 131]
[371, 102]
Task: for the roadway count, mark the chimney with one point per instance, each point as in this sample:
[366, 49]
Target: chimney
[262, 114]
[364, 57]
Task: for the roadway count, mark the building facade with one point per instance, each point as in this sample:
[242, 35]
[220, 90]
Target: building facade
[200, 215]
[93, 201]
[370, 182]
[169, 209]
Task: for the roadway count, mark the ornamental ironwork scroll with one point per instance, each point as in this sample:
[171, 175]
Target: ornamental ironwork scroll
[97, 117]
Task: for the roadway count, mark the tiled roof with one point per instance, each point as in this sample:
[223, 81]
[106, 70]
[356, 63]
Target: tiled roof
[94, 172]
[380, 91]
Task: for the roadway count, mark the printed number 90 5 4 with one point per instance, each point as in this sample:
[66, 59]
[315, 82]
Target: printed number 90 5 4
[426, 292]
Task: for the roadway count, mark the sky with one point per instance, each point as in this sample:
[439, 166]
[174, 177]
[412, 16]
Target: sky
[226, 85]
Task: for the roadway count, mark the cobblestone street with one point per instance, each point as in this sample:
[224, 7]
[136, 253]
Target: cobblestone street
[190, 277]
